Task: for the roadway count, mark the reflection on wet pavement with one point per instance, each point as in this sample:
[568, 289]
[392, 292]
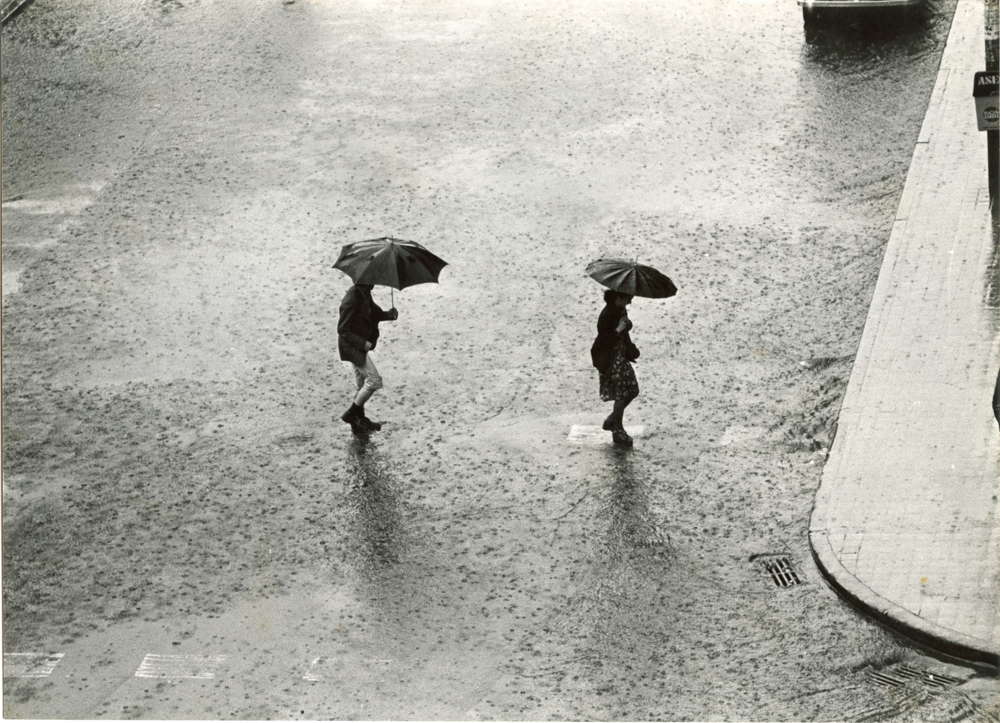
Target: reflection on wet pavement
[449, 569]
[849, 40]
[854, 100]
[374, 502]
[626, 505]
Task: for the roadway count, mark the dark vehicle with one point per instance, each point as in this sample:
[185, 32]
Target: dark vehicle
[814, 10]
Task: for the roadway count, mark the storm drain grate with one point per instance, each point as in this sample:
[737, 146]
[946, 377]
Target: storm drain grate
[781, 571]
[899, 675]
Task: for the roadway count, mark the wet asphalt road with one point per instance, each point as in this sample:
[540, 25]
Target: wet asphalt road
[178, 178]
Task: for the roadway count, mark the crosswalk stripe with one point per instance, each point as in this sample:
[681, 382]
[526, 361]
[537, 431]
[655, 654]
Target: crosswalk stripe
[315, 671]
[179, 666]
[583, 434]
[30, 665]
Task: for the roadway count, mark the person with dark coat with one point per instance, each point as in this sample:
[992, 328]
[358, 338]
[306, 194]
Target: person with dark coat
[612, 354]
[357, 334]
[996, 400]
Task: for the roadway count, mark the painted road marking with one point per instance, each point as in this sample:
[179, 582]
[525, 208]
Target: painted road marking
[30, 665]
[10, 282]
[315, 671]
[581, 434]
[179, 666]
[66, 205]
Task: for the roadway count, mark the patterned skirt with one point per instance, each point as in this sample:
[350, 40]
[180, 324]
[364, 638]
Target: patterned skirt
[619, 381]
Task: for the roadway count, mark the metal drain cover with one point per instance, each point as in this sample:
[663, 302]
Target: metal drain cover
[780, 569]
[897, 676]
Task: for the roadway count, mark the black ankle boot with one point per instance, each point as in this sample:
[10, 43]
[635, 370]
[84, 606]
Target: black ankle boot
[353, 415]
[366, 423]
[620, 436]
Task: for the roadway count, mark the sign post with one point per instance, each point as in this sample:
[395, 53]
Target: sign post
[991, 26]
[986, 91]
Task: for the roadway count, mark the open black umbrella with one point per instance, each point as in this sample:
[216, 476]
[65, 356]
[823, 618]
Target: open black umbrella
[389, 262]
[629, 277]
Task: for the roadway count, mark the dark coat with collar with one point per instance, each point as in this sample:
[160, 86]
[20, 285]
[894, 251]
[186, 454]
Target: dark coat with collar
[602, 351]
[359, 319]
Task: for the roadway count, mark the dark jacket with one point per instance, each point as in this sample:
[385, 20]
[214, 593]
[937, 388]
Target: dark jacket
[602, 351]
[359, 318]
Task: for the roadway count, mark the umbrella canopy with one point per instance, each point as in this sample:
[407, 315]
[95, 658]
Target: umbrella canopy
[389, 262]
[628, 277]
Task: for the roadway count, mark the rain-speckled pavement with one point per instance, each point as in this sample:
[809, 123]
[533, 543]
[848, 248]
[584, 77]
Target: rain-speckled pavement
[190, 531]
[9, 8]
[905, 520]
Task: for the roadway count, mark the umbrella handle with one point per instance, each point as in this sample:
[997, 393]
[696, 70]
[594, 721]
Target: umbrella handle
[391, 302]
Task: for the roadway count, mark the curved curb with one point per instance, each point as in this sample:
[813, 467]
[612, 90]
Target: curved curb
[900, 619]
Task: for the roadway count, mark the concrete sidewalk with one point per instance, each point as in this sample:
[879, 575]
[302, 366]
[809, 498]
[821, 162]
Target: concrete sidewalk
[905, 519]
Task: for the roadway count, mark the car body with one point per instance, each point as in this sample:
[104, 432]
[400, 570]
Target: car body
[818, 14]
[855, 4]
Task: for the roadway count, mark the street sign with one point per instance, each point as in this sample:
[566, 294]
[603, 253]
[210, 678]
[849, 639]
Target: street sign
[986, 92]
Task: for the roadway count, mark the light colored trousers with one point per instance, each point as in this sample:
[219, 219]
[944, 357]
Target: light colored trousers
[368, 379]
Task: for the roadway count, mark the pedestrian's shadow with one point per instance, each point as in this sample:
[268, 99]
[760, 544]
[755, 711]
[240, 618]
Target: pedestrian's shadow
[632, 527]
[633, 552]
[373, 496]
